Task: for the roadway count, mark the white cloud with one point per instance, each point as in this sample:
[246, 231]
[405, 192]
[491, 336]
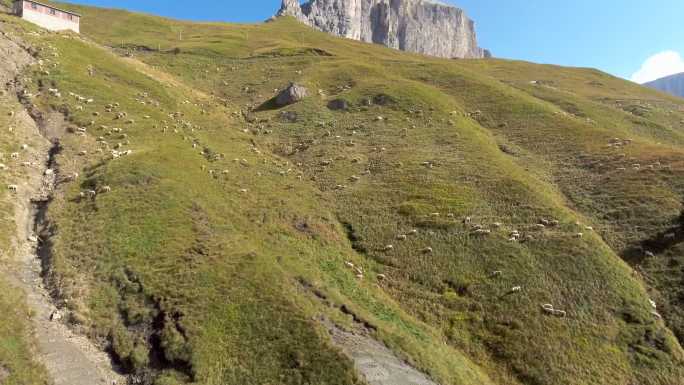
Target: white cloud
[662, 64]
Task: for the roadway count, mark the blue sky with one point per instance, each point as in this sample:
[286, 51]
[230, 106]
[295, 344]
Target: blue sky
[623, 37]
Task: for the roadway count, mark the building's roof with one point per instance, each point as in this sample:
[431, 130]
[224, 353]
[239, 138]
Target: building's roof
[51, 6]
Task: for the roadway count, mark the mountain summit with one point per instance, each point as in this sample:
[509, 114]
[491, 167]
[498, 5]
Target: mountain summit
[673, 84]
[420, 26]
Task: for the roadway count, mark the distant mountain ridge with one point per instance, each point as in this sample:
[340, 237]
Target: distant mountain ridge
[428, 27]
[673, 84]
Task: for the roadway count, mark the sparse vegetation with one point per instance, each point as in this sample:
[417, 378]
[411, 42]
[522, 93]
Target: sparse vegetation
[222, 243]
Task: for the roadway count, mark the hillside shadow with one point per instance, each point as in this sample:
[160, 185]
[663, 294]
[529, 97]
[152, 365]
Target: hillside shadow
[657, 244]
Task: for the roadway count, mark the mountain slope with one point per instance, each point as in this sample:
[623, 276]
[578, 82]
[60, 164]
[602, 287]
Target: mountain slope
[673, 84]
[218, 250]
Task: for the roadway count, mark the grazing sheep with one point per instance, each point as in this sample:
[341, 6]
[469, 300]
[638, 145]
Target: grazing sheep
[106, 189]
[388, 248]
[14, 155]
[413, 232]
[83, 153]
[381, 277]
[515, 289]
[579, 235]
[652, 302]
[349, 264]
[482, 232]
[243, 190]
[2, 167]
[496, 273]
[548, 309]
[427, 250]
[497, 225]
[401, 237]
[13, 187]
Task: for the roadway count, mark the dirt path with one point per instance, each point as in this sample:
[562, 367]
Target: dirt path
[378, 364]
[70, 359]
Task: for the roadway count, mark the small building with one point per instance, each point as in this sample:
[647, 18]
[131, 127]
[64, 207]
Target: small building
[47, 16]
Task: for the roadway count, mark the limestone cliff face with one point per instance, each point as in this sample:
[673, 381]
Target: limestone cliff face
[420, 26]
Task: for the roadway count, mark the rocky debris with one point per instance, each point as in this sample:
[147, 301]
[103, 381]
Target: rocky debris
[292, 94]
[426, 27]
[55, 316]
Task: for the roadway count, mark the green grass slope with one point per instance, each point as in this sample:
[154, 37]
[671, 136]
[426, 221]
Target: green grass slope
[223, 240]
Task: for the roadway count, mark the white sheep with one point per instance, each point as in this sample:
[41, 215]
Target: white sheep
[401, 237]
[388, 248]
[13, 187]
[427, 250]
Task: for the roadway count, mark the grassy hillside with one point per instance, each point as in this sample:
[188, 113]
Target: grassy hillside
[218, 256]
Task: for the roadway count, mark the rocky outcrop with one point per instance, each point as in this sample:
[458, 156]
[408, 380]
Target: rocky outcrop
[420, 26]
[290, 95]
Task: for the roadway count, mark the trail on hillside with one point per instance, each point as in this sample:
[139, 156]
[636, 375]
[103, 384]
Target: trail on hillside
[70, 359]
[375, 361]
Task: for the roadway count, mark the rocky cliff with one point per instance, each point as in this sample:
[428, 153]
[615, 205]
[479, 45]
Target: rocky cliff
[419, 26]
